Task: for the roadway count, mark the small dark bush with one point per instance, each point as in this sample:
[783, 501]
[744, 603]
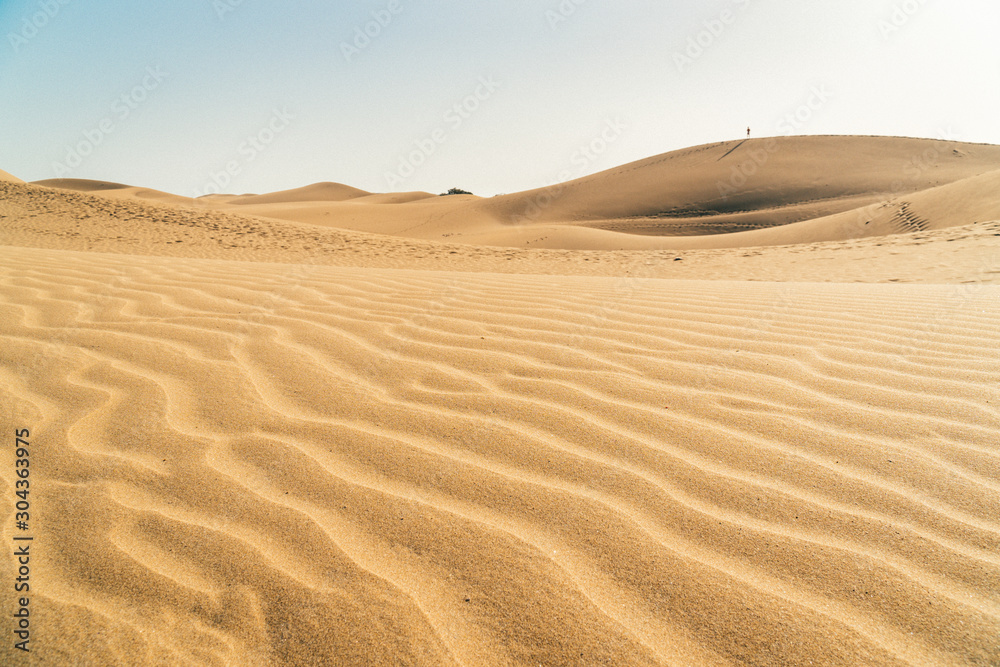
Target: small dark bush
[456, 191]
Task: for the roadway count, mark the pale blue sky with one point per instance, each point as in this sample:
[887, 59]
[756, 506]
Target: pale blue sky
[200, 77]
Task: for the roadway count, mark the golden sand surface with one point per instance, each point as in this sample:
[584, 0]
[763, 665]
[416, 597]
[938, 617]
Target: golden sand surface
[258, 440]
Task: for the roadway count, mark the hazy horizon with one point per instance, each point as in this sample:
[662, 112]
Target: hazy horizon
[249, 96]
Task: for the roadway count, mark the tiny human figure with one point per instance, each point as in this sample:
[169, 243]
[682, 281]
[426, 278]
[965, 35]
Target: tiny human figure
[748, 133]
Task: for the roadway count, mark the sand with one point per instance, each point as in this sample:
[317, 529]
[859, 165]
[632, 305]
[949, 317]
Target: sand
[259, 440]
[8, 178]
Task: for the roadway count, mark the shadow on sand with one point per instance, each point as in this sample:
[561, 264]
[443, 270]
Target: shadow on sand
[734, 148]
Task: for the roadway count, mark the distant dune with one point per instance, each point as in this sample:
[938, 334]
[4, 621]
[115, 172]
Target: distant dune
[84, 185]
[330, 427]
[115, 190]
[318, 192]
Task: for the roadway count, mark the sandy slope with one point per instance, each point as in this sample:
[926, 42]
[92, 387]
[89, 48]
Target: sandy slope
[8, 178]
[260, 441]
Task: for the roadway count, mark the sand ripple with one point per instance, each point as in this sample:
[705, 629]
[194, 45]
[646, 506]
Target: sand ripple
[282, 464]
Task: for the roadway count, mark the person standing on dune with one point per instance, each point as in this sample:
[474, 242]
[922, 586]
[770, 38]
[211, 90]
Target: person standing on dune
[748, 133]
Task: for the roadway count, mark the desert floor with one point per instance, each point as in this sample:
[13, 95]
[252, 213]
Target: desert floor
[574, 426]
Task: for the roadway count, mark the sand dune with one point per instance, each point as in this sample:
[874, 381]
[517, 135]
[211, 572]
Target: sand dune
[751, 191]
[315, 192]
[810, 174]
[85, 185]
[964, 202]
[283, 440]
[967, 201]
[116, 191]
